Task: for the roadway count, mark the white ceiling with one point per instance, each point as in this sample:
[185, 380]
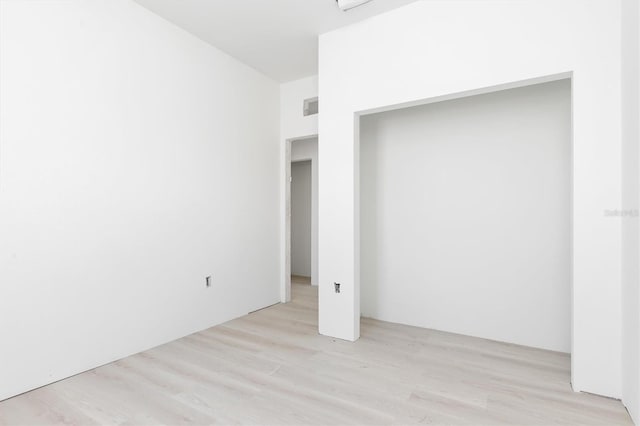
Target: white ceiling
[277, 37]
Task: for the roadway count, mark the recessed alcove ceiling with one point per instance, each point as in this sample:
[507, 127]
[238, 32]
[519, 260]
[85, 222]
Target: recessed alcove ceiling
[277, 37]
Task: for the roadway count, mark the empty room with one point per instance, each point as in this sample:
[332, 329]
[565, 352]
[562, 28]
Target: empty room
[319, 212]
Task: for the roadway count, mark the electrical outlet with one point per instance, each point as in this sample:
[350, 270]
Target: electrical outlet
[207, 281]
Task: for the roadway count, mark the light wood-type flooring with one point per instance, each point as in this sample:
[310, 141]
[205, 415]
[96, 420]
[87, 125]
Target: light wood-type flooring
[272, 367]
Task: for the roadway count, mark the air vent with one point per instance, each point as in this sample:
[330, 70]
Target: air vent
[310, 106]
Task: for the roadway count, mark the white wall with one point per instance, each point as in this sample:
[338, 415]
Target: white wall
[301, 218]
[630, 194]
[307, 149]
[465, 216]
[133, 158]
[293, 125]
[446, 48]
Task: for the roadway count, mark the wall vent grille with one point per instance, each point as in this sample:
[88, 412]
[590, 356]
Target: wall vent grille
[310, 106]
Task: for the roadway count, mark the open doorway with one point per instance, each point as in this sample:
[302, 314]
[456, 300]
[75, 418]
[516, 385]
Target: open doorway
[465, 221]
[301, 222]
[301, 219]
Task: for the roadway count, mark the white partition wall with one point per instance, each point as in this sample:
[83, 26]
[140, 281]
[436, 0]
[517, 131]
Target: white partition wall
[630, 204]
[432, 50]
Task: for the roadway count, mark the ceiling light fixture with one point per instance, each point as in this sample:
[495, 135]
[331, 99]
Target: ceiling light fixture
[345, 5]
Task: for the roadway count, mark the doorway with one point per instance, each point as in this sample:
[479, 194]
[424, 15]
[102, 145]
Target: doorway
[301, 222]
[466, 215]
[301, 217]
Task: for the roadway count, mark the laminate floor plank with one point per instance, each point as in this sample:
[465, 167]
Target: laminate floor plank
[271, 367]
